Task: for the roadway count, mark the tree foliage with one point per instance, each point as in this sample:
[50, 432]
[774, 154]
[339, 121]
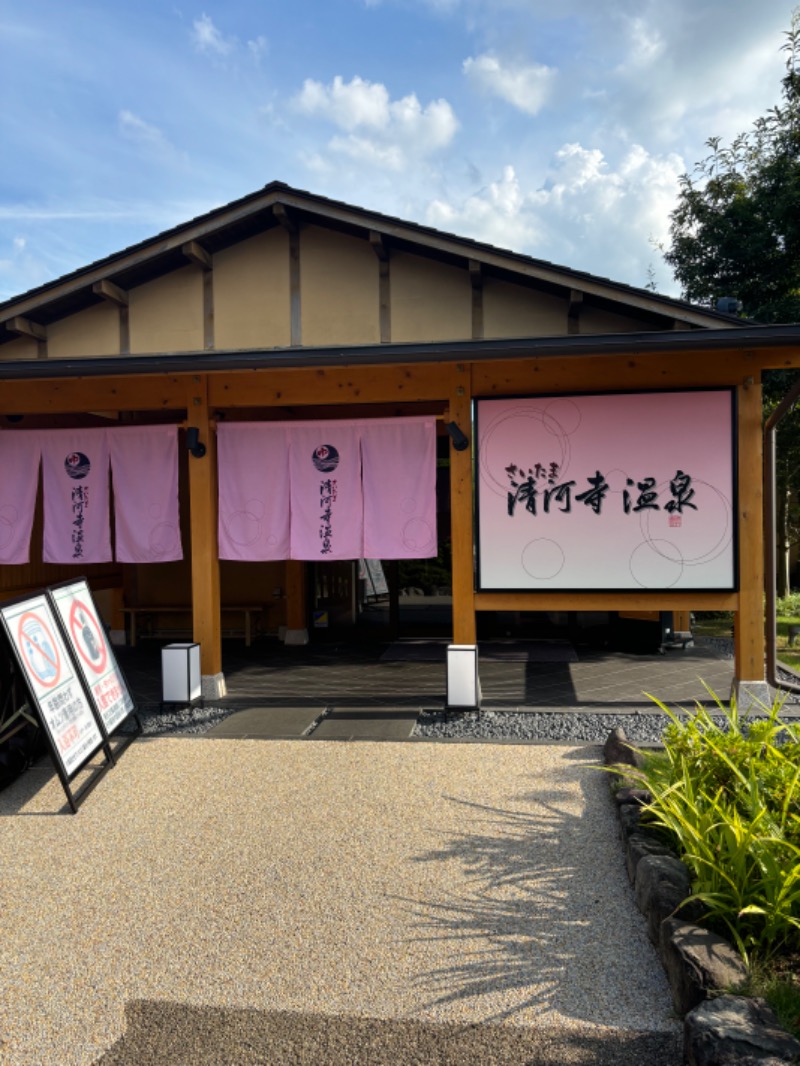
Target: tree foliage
[736, 229]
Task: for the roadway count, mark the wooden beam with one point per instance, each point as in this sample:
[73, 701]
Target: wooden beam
[381, 250]
[208, 310]
[596, 373]
[111, 292]
[379, 246]
[574, 311]
[26, 328]
[748, 629]
[206, 617]
[476, 284]
[284, 218]
[461, 508]
[196, 253]
[606, 601]
[335, 385]
[75, 395]
[295, 303]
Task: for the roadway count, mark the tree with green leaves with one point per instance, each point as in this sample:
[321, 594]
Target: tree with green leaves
[736, 229]
[736, 233]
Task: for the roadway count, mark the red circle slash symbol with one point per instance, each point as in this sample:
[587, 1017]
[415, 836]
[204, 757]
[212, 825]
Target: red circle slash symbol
[39, 649]
[88, 637]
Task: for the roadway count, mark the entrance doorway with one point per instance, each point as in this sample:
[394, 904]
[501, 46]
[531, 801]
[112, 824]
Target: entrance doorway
[388, 599]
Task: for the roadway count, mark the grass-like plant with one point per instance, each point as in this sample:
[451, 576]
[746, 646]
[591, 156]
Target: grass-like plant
[728, 799]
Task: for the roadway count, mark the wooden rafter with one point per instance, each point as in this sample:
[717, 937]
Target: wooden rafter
[111, 292]
[196, 253]
[26, 328]
[284, 218]
[379, 246]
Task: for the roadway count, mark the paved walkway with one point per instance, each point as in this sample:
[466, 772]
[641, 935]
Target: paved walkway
[235, 902]
[274, 691]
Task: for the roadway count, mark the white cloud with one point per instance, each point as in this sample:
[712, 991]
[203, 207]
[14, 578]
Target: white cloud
[526, 87]
[134, 128]
[207, 38]
[258, 47]
[588, 214]
[381, 131]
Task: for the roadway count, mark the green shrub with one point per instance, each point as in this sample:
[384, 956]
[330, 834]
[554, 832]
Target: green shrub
[729, 801]
[788, 606]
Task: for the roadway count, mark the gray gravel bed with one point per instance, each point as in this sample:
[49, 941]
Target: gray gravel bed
[642, 725]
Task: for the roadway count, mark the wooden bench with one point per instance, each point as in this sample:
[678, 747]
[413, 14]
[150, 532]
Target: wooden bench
[136, 615]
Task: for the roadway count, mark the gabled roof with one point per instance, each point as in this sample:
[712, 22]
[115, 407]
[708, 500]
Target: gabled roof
[278, 204]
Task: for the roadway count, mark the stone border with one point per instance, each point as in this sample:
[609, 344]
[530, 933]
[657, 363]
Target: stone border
[703, 969]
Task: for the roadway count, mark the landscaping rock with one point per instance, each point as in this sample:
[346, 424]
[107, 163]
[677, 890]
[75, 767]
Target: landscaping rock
[640, 796]
[637, 846]
[697, 962]
[629, 815]
[661, 885]
[617, 750]
[735, 1031]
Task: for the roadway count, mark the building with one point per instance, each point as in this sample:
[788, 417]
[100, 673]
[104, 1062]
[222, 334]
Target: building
[286, 307]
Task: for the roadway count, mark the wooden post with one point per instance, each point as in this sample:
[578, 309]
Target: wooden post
[296, 623]
[206, 621]
[464, 628]
[749, 618]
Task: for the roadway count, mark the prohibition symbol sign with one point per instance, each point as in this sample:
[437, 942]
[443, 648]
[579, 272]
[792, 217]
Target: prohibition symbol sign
[88, 637]
[39, 649]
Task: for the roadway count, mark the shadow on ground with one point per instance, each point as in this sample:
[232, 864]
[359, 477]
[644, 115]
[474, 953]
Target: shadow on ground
[549, 919]
[175, 1034]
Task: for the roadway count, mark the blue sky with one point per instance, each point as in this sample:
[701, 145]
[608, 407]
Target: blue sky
[557, 129]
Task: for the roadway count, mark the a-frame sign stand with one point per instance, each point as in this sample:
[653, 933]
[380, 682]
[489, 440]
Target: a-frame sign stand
[66, 662]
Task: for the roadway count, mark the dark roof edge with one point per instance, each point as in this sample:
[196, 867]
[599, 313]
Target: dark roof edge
[278, 191]
[641, 344]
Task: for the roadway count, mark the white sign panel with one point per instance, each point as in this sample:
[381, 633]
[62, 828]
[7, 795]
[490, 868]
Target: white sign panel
[624, 491]
[92, 652]
[65, 709]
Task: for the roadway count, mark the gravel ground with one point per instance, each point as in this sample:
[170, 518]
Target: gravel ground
[224, 901]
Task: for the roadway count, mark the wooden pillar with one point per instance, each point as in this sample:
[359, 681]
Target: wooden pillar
[206, 622]
[464, 628]
[296, 622]
[749, 618]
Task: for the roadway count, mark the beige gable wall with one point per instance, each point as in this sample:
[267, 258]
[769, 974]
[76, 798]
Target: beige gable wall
[166, 315]
[338, 289]
[21, 348]
[94, 331]
[251, 293]
[516, 311]
[430, 301]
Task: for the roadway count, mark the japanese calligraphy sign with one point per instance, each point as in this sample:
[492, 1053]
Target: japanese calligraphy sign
[607, 492]
[75, 479]
[64, 708]
[94, 656]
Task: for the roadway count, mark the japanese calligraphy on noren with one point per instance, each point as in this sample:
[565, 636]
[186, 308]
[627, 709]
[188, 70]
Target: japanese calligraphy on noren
[614, 491]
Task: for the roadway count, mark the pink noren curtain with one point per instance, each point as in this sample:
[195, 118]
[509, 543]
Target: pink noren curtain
[75, 480]
[327, 490]
[398, 459]
[144, 468]
[19, 461]
[253, 464]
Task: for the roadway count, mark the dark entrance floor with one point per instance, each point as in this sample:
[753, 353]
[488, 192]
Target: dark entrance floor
[352, 675]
